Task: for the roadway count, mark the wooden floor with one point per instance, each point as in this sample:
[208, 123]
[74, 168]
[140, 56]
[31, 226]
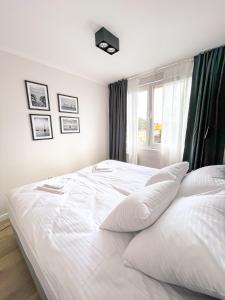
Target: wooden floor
[15, 280]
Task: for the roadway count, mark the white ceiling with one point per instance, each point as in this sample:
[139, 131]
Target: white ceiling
[152, 33]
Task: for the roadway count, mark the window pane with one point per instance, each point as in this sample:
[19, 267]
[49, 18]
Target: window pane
[157, 114]
[142, 117]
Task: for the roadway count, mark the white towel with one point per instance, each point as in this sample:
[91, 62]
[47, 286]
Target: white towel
[48, 190]
[102, 168]
[53, 186]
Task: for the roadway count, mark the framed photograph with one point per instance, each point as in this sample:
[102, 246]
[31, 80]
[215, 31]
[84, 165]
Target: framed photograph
[37, 95]
[68, 104]
[41, 126]
[69, 125]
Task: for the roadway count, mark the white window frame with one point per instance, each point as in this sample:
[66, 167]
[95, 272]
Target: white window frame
[153, 145]
[150, 113]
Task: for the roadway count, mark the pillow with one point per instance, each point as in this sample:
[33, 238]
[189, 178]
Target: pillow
[141, 209]
[177, 170]
[186, 246]
[203, 180]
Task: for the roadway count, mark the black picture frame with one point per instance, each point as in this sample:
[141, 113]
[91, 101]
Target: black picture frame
[34, 127]
[30, 98]
[68, 110]
[63, 131]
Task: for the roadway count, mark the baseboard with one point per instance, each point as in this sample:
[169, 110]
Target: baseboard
[4, 217]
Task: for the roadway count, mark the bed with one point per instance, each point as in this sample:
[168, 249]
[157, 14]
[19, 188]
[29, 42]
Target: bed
[68, 255]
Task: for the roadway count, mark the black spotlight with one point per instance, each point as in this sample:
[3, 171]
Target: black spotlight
[106, 41]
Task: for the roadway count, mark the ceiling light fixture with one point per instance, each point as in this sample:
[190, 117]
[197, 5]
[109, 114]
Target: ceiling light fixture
[103, 45]
[106, 41]
[111, 50]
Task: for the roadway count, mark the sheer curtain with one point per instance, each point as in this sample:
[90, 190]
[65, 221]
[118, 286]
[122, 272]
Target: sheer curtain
[132, 122]
[176, 97]
[175, 81]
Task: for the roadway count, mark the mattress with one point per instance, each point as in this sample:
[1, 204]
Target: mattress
[72, 258]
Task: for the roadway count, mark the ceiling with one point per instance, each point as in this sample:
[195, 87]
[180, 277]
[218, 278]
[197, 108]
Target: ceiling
[60, 33]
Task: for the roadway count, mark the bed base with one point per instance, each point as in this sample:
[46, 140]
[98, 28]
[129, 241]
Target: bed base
[31, 270]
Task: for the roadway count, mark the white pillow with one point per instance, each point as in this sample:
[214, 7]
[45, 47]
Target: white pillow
[186, 246]
[141, 209]
[202, 180]
[177, 170]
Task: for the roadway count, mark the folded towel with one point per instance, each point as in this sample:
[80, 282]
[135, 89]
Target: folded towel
[48, 190]
[53, 186]
[102, 170]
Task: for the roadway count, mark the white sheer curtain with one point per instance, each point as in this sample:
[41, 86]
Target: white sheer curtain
[176, 96]
[132, 122]
[175, 81]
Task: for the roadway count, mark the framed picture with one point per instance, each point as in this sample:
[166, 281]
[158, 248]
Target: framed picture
[41, 126]
[69, 125]
[37, 95]
[68, 104]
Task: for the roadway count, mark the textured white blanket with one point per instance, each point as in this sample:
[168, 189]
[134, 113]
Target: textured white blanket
[72, 257]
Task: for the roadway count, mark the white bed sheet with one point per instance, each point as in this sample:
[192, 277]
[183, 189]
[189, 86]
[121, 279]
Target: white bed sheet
[72, 258]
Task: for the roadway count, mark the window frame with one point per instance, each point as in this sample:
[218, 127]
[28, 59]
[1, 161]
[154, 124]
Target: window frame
[150, 145]
[154, 146]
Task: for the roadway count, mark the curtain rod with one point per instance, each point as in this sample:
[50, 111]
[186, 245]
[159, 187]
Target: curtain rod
[171, 64]
[210, 49]
[160, 68]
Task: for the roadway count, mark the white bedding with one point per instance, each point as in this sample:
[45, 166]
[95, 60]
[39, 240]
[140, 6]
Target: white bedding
[72, 258]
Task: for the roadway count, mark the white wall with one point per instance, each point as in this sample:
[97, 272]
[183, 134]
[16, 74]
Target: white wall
[23, 160]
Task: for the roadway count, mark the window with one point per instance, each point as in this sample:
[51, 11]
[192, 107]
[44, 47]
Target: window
[150, 116]
[142, 117]
[157, 110]
[157, 114]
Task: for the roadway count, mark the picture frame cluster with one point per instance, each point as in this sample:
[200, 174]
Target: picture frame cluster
[41, 124]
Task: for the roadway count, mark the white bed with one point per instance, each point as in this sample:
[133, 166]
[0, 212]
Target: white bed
[74, 259]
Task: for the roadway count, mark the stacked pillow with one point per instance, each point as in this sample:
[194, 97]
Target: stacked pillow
[175, 171]
[143, 208]
[182, 243]
[186, 246]
[203, 180]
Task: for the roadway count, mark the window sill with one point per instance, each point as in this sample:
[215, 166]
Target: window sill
[148, 149]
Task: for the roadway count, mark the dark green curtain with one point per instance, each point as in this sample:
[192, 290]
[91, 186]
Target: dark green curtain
[118, 120]
[205, 136]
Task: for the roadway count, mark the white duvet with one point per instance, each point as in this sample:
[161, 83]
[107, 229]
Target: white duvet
[72, 258]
